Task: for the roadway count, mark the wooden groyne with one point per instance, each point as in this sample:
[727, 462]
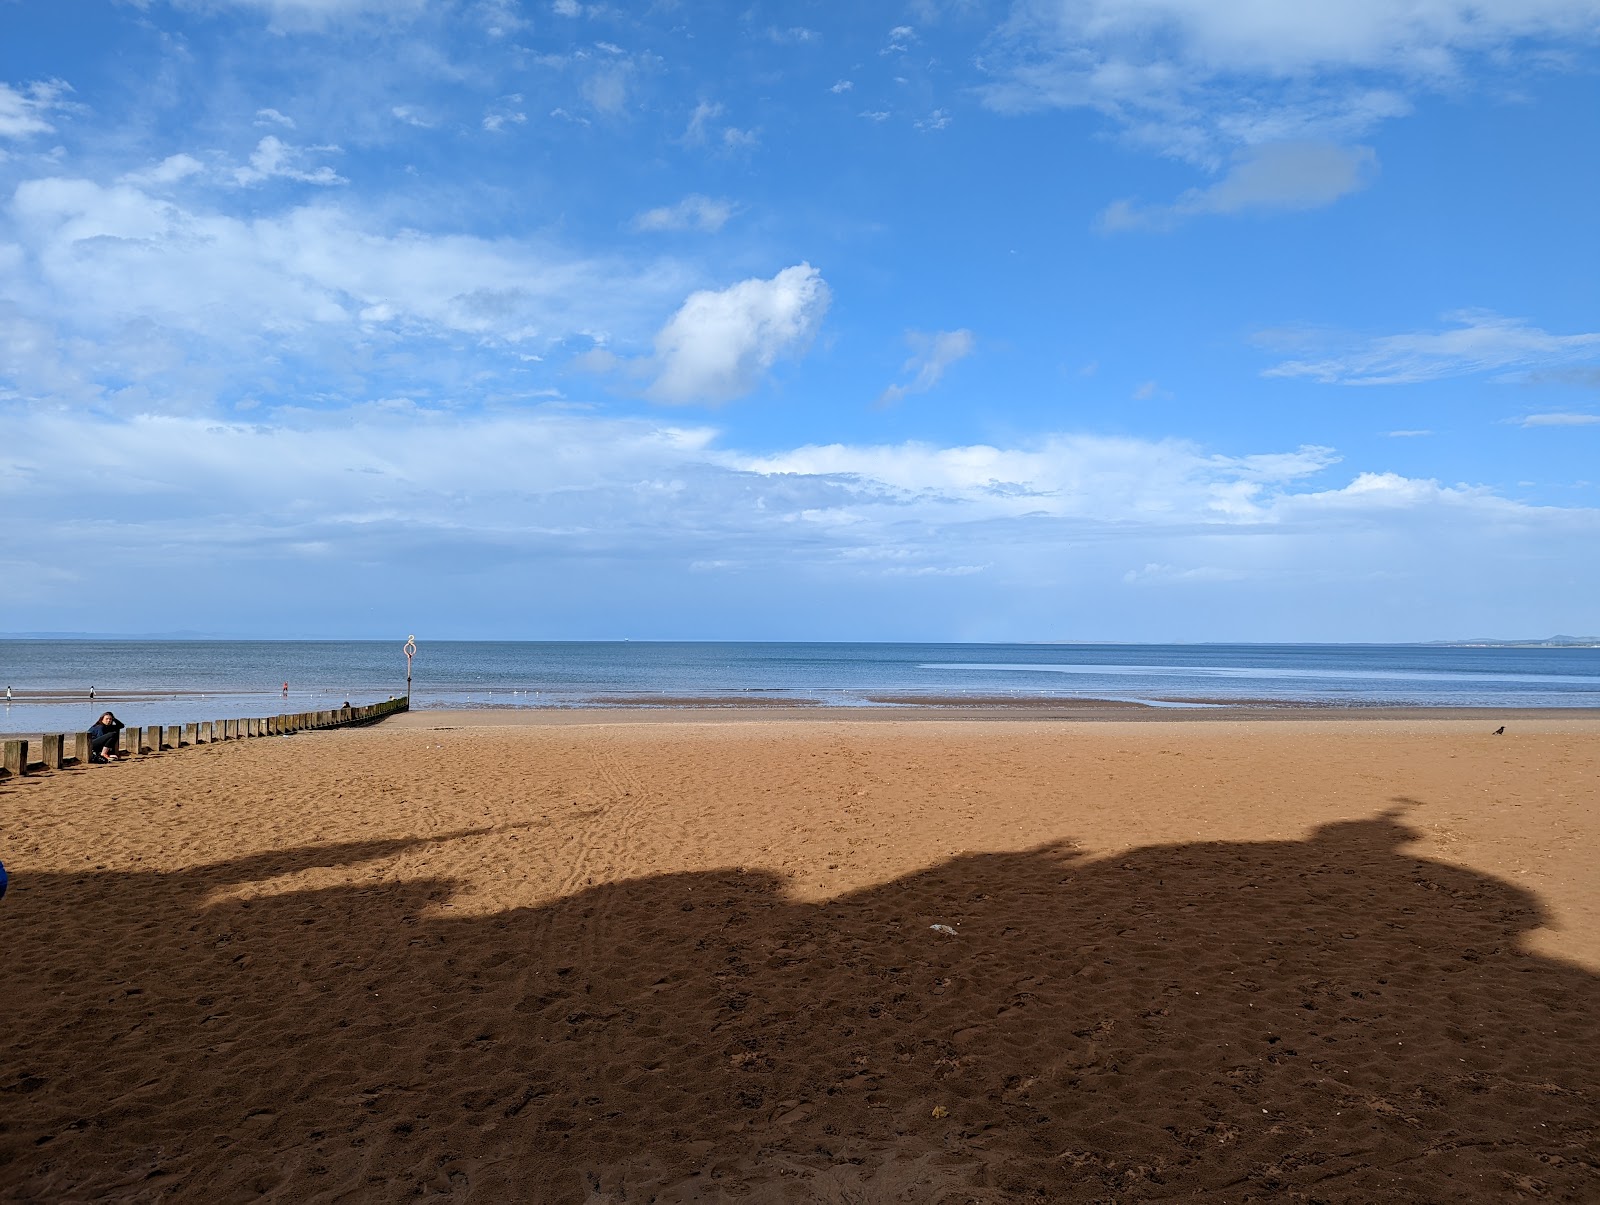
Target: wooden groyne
[159, 739]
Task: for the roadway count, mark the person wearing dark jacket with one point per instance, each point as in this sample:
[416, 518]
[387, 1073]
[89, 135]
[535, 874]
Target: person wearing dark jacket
[103, 737]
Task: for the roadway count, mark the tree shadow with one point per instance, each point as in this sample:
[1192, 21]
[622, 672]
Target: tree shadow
[1324, 1019]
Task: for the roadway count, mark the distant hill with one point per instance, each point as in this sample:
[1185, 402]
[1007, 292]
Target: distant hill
[1549, 642]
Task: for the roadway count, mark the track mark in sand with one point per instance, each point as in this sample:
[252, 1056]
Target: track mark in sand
[604, 832]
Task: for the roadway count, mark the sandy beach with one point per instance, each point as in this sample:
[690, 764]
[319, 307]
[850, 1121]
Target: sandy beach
[572, 957]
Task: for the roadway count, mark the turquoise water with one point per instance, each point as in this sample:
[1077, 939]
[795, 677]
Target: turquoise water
[148, 682]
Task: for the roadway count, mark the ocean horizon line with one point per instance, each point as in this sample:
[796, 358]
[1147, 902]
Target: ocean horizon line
[1531, 642]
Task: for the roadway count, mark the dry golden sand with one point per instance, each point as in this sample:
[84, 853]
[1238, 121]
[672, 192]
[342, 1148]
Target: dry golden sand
[611, 960]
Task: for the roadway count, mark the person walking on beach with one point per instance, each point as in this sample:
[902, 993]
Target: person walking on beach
[103, 736]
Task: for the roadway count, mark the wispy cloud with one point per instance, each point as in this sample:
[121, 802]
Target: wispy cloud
[1559, 420]
[694, 212]
[507, 111]
[127, 285]
[511, 498]
[276, 159]
[26, 112]
[1274, 176]
[271, 117]
[1479, 341]
[932, 355]
[1200, 80]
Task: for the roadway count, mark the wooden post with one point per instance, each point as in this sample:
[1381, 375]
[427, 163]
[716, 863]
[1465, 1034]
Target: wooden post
[191, 734]
[16, 757]
[203, 733]
[170, 739]
[128, 740]
[82, 746]
[53, 756]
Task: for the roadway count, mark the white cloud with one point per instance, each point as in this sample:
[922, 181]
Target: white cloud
[900, 39]
[1416, 434]
[170, 170]
[300, 16]
[98, 267]
[411, 115]
[1198, 78]
[933, 353]
[719, 345]
[859, 533]
[1559, 420]
[271, 117]
[937, 120]
[874, 114]
[1480, 341]
[500, 18]
[1281, 175]
[606, 90]
[843, 85]
[505, 111]
[275, 159]
[567, 8]
[694, 212]
[25, 112]
[695, 133]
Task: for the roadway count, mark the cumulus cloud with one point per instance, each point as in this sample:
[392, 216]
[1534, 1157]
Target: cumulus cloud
[1479, 341]
[695, 212]
[1281, 176]
[932, 354]
[720, 344]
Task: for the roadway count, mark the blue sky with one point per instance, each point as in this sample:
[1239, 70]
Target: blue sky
[1040, 320]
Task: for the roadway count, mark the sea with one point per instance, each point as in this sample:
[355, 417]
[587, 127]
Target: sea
[178, 681]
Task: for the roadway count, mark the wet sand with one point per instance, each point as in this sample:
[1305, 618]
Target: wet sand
[688, 956]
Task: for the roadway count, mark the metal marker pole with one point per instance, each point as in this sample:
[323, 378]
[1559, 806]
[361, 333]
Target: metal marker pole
[411, 651]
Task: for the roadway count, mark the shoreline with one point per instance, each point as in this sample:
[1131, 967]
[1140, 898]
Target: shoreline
[1090, 712]
[945, 710]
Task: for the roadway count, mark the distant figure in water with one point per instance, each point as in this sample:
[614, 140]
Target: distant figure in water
[91, 694]
[286, 690]
[103, 736]
[8, 694]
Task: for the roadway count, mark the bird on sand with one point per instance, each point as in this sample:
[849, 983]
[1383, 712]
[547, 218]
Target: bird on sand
[1500, 730]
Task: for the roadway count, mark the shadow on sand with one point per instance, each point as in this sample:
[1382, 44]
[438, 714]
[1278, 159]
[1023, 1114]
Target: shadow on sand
[1328, 1019]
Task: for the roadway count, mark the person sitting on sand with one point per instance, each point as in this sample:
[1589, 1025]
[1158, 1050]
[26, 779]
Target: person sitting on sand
[103, 736]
